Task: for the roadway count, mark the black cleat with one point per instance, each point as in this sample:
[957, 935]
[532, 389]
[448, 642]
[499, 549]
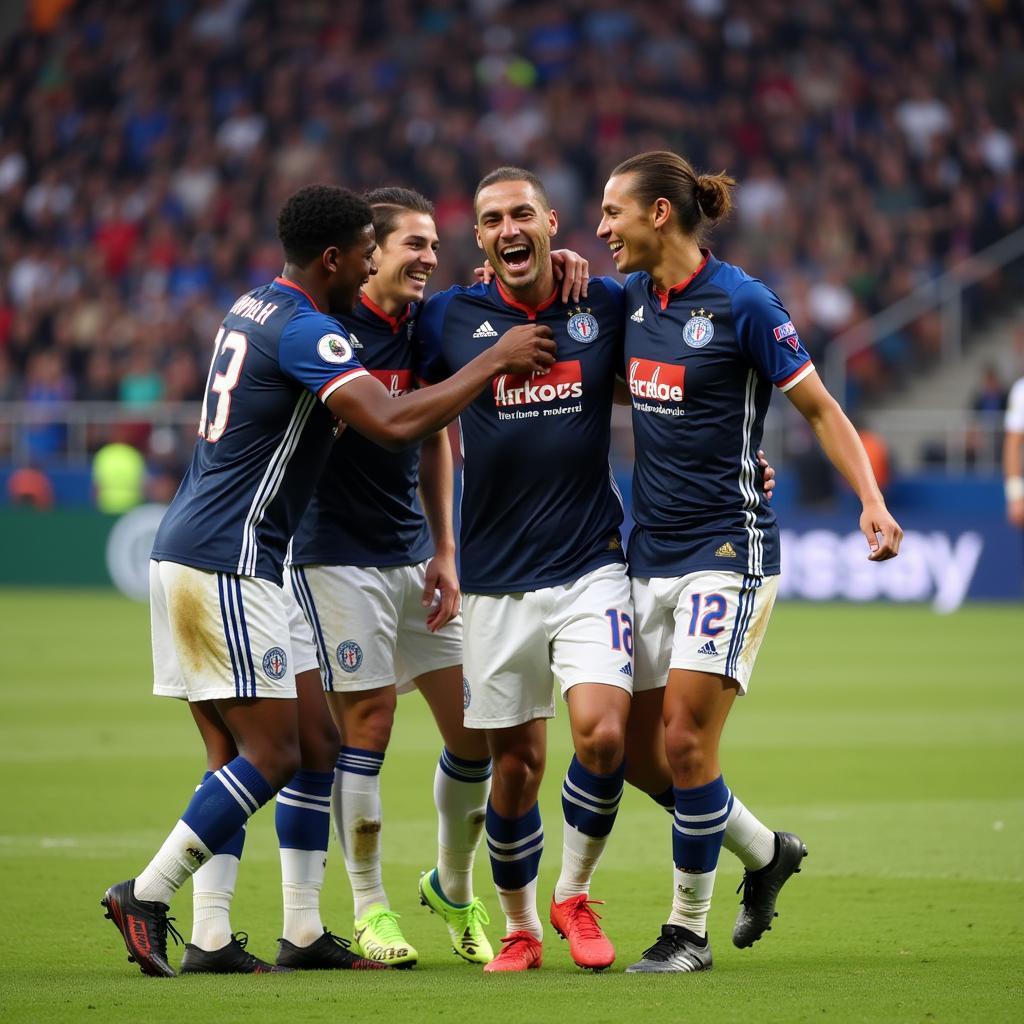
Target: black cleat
[677, 950]
[229, 959]
[143, 926]
[328, 953]
[761, 890]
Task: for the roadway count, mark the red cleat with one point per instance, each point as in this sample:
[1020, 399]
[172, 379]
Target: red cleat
[520, 951]
[574, 920]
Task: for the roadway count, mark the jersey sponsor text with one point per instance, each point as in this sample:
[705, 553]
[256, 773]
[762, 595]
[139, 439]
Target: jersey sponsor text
[563, 381]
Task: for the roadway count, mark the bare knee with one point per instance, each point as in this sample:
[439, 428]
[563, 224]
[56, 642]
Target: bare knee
[276, 757]
[368, 721]
[319, 744]
[516, 781]
[686, 749]
[600, 748]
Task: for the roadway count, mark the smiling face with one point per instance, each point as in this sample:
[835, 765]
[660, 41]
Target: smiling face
[514, 228]
[405, 260]
[350, 269]
[627, 228]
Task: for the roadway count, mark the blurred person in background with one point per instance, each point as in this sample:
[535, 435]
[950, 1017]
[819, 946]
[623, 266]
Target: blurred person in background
[1013, 455]
[118, 475]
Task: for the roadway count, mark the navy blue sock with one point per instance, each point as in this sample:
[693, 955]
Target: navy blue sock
[699, 826]
[515, 846]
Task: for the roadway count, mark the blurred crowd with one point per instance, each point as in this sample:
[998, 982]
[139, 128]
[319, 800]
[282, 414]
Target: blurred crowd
[145, 148]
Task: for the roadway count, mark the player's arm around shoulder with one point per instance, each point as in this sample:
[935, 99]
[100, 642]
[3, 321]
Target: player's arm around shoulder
[840, 442]
[395, 423]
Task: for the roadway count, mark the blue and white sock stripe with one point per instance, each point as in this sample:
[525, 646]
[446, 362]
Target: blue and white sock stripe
[703, 824]
[589, 802]
[307, 801]
[304, 596]
[236, 634]
[519, 849]
[271, 482]
[227, 778]
[462, 770]
[744, 613]
[359, 762]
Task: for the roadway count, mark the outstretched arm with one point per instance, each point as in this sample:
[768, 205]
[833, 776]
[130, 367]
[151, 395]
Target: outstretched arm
[840, 442]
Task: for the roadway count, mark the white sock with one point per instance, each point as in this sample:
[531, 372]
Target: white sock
[691, 899]
[355, 805]
[746, 837]
[302, 877]
[461, 812]
[520, 908]
[213, 887]
[181, 855]
[580, 854]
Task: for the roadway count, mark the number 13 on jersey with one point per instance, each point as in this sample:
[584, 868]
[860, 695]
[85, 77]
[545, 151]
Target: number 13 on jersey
[222, 383]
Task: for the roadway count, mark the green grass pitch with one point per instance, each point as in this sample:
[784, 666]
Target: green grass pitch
[891, 739]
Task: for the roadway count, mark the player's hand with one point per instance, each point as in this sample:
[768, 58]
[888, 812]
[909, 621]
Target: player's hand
[526, 348]
[769, 475]
[484, 273]
[1015, 512]
[441, 593]
[883, 533]
[573, 271]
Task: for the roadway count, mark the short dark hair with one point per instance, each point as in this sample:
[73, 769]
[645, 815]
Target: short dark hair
[513, 174]
[317, 217]
[390, 203]
[698, 200]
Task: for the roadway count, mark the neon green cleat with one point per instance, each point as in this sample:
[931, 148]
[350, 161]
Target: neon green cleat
[376, 936]
[465, 923]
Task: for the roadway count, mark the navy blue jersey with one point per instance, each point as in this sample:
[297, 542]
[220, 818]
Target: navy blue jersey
[701, 362]
[365, 510]
[539, 507]
[263, 436]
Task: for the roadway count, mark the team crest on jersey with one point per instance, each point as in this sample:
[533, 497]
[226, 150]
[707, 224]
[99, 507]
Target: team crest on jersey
[698, 330]
[350, 656]
[333, 348]
[787, 332]
[275, 663]
[583, 326]
[467, 695]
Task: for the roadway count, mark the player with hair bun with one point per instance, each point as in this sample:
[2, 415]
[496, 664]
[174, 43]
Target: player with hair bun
[704, 345]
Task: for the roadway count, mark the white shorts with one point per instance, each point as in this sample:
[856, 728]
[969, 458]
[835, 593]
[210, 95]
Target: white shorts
[518, 645]
[705, 621]
[217, 635]
[370, 626]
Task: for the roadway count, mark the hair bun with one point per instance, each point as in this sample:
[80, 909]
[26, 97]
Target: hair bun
[713, 192]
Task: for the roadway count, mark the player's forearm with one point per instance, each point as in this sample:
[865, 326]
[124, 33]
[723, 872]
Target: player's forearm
[844, 449]
[436, 490]
[415, 416]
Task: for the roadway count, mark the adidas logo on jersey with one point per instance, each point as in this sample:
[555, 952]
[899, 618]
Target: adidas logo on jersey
[638, 316]
[708, 648]
[356, 343]
[485, 330]
[726, 551]
[627, 670]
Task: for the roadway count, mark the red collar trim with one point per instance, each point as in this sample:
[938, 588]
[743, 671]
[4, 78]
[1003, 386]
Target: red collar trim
[676, 289]
[298, 287]
[394, 322]
[530, 311]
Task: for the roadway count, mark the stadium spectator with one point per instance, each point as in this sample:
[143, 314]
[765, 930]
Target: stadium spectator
[142, 157]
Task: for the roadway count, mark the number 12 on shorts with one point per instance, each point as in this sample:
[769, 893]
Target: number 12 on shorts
[714, 606]
[622, 630]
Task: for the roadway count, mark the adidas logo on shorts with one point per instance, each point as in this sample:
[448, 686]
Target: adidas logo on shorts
[627, 670]
[708, 648]
[485, 330]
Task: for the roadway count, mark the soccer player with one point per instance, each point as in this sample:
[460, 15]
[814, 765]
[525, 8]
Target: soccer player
[365, 572]
[705, 343]
[283, 373]
[543, 572]
[1013, 454]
